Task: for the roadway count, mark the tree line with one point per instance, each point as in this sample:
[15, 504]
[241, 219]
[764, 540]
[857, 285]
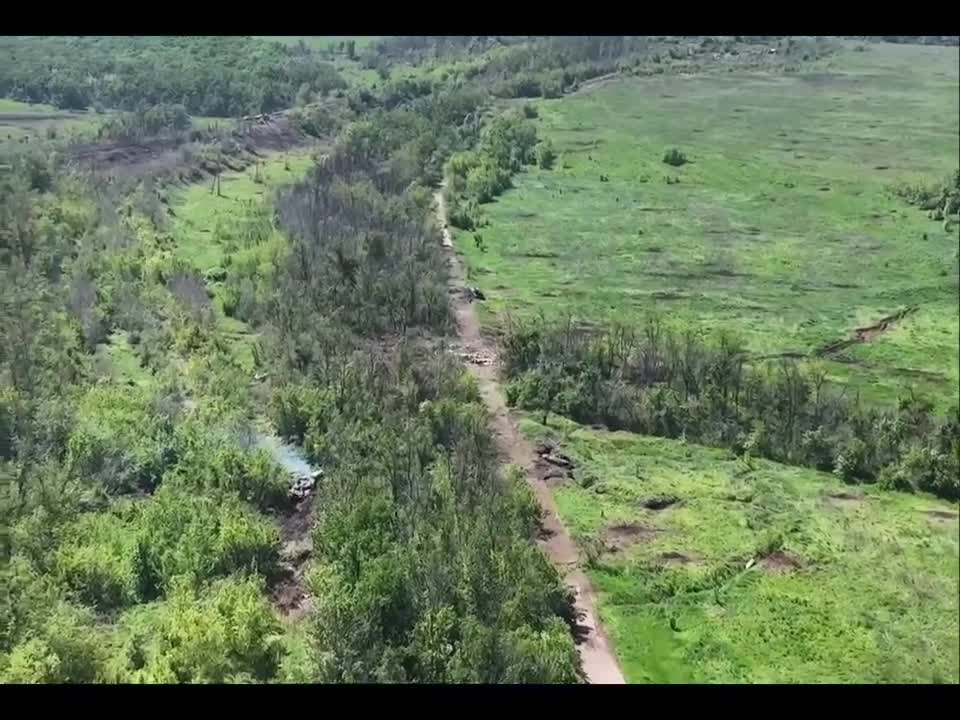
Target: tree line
[659, 381]
[219, 76]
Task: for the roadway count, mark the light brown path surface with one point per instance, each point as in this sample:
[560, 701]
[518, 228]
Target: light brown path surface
[596, 654]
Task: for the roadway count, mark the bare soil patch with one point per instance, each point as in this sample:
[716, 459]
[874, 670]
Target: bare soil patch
[288, 589]
[660, 502]
[780, 563]
[552, 466]
[678, 559]
[866, 334]
[942, 515]
[844, 499]
[618, 538]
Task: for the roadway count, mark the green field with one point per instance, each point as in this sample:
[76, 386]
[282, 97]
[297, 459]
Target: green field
[781, 228]
[204, 224]
[866, 589]
[199, 212]
[321, 42]
[19, 120]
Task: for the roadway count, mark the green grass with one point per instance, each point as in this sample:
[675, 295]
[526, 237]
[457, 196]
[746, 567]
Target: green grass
[121, 358]
[875, 597]
[203, 122]
[321, 42]
[781, 228]
[19, 120]
[199, 213]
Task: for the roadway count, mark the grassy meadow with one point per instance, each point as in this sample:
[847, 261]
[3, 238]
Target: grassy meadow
[21, 121]
[781, 227]
[858, 585]
[202, 230]
[204, 222]
[321, 42]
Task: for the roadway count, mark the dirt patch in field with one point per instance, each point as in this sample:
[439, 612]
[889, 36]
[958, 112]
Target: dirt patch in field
[779, 562]
[551, 465]
[289, 594]
[865, 334]
[660, 502]
[677, 559]
[288, 589]
[166, 155]
[942, 515]
[618, 538]
[844, 499]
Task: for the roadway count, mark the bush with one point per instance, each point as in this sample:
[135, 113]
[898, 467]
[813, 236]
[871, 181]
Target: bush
[67, 649]
[225, 633]
[97, 560]
[211, 459]
[195, 538]
[927, 470]
[818, 450]
[120, 440]
[851, 460]
[674, 157]
[487, 181]
[546, 156]
[295, 408]
[530, 111]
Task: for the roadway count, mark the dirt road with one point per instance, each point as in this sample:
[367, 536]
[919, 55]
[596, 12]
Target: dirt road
[596, 654]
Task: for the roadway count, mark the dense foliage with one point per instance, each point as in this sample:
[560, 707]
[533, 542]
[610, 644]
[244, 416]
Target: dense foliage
[215, 75]
[941, 200]
[477, 176]
[423, 566]
[139, 537]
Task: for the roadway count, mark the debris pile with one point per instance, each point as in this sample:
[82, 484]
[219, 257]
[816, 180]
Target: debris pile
[478, 358]
[553, 464]
[303, 485]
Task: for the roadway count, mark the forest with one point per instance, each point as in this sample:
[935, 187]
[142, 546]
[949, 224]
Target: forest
[215, 75]
[139, 538]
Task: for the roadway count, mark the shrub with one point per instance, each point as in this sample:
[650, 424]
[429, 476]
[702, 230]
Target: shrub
[96, 560]
[196, 538]
[674, 157]
[67, 649]
[294, 408]
[226, 633]
[211, 459]
[546, 156]
[925, 469]
[851, 460]
[817, 449]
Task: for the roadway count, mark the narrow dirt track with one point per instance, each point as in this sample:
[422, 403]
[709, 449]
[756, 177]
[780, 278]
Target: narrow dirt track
[599, 662]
